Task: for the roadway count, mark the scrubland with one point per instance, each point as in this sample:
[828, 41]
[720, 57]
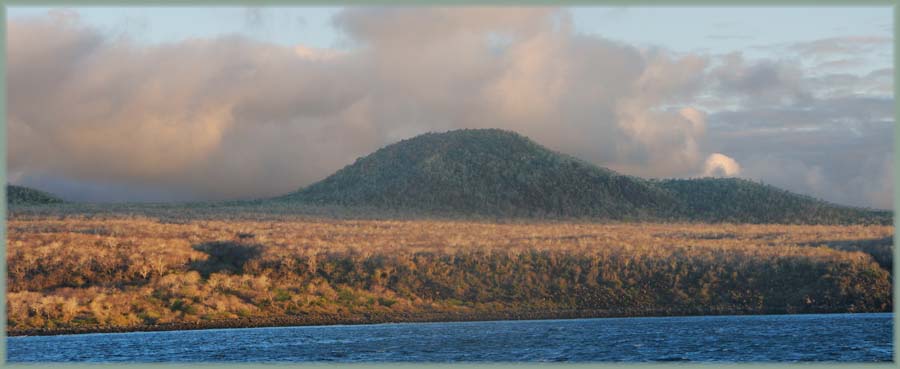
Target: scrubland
[72, 273]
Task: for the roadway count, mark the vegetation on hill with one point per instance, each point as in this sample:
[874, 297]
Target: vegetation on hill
[98, 273]
[496, 173]
[488, 173]
[18, 195]
[735, 200]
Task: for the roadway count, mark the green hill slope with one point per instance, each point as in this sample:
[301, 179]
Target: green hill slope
[742, 201]
[18, 195]
[485, 172]
[490, 172]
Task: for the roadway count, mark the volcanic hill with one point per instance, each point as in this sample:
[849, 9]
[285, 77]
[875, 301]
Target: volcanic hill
[497, 173]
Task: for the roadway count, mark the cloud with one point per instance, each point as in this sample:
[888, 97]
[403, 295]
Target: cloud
[868, 183]
[759, 83]
[179, 116]
[852, 113]
[829, 135]
[230, 117]
[877, 83]
[842, 154]
[845, 45]
[316, 54]
[719, 165]
[253, 17]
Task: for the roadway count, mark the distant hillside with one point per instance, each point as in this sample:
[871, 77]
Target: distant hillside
[18, 195]
[496, 173]
[739, 200]
[489, 173]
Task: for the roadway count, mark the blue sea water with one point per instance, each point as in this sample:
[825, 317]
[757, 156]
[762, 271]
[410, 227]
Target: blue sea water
[778, 338]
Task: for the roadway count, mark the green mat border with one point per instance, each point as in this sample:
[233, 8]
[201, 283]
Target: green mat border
[636, 3]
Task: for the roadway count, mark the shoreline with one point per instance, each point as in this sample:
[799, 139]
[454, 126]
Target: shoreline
[423, 317]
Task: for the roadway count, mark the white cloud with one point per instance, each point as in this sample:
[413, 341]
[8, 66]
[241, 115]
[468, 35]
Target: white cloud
[720, 165]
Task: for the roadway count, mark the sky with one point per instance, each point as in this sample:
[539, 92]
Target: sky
[179, 104]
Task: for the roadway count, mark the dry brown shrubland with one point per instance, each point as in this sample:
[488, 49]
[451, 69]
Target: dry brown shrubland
[129, 271]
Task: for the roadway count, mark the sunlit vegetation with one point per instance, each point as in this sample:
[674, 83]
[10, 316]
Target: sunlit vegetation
[101, 271]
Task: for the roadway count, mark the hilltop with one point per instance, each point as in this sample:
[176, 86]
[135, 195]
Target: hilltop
[485, 172]
[497, 173]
